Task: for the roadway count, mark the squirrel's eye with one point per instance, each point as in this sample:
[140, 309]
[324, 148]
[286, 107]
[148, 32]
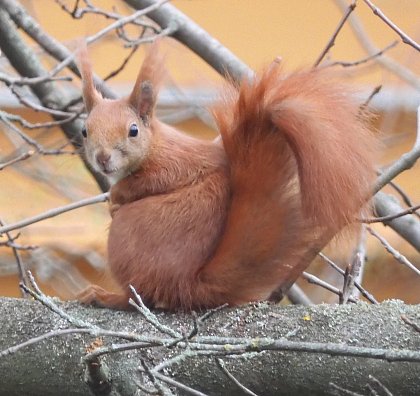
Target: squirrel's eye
[133, 130]
[84, 132]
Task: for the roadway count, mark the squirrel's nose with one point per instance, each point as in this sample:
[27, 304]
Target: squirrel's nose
[102, 158]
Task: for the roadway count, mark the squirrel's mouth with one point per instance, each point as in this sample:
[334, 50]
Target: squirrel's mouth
[108, 171]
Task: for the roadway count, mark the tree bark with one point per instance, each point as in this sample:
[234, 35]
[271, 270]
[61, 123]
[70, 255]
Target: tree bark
[55, 365]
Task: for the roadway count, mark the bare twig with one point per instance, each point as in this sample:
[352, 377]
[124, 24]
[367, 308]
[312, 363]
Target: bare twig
[37, 107]
[46, 336]
[408, 226]
[21, 157]
[397, 255]
[362, 290]
[365, 59]
[382, 219]
[36, 293]
[115, 25]
[331, 41]
[18, 258]
[37, 125]
[316, 281]
[225, 371]
[161, 390]
[415, 326]
[364, 39]
[338, 390]
[222, 346]
[404, 36]
[168, 31]
[28, 81]
[374, 92]
[404, 196]
[18, 247]
[78, 13]
[406, 161]
[348, 283]
[123, 64]
[55, 212]
[179, 385]
[52, 46]
[380, 385]
[358, 263]
[5, 118]
[149, 316]
[38, 147]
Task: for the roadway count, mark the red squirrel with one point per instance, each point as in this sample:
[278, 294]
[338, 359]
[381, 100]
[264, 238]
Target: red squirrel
[197, 224]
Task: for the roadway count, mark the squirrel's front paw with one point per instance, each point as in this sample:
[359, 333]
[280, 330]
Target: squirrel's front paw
[91, 295]
[96, 295]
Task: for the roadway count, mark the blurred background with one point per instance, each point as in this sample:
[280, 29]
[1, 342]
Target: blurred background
[72, 247]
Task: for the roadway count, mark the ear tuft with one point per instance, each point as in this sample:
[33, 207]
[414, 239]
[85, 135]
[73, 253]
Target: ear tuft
[143, 96]
[146, 101]
[90, 95]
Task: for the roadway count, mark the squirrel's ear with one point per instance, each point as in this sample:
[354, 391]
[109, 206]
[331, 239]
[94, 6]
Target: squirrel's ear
[149, 79]
[90, 95]
[143, 100]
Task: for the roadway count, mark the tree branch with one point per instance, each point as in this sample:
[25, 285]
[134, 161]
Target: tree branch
[302, 356]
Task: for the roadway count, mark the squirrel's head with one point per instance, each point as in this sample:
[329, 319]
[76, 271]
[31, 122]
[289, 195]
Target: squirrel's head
[118, 134]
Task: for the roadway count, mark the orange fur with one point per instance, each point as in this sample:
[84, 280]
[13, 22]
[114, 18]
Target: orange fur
[197, 224]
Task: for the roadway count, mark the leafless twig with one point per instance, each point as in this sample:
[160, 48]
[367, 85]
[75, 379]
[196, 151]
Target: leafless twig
[380, 385]
[331, 41]
[382, 219]
[316, 281]
[365, 59]
[20, 157]
[338, 390]
[123, 64]
[415, 326]
[37, 107]
[115, 25]
[374, 92]
[18, 258]
[78, 13]
[388, 63]
[404, 196]
[55, 212]
[397, 255]
[149, 316]
[29, 81]
[225, 371]
[362, 290]
[404, 36]
[406, 161]
[46, 336]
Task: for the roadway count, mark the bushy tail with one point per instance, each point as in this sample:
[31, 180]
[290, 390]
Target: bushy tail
[301, 161]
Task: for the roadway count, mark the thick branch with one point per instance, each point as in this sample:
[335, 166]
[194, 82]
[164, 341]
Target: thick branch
[42, 366]
[407, 226]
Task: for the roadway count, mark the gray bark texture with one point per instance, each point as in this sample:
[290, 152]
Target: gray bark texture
[55, 366]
